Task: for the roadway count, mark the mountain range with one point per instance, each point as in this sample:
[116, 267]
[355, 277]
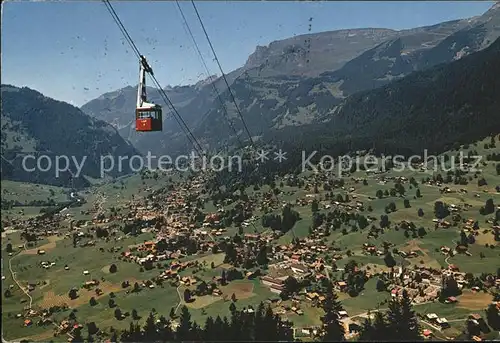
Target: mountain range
[435, 109]
[298, 81]
[395, 91]
[35, 125]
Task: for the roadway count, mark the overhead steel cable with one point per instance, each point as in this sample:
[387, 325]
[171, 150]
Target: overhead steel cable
[224, 108]
[162, 92]
[223, 76]
[160, 89]
[169, 102]
[222, 72]
[122, 28]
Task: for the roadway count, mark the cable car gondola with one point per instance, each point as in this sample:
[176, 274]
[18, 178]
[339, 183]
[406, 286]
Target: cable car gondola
[148, 116]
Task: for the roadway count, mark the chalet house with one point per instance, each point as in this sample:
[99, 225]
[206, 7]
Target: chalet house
[276, 285]
[320, 276]
[217, 279]
[445, 224]
[413, 253]
[443, 323]
[425, 274]
[186, 280]
[342, 285]
[427, 333]
[170, 274]
[477, 320]
[451, 300]
[432, 317]
[91, 283]
[317, 265]
[299, 268]
[250, 275]
[312, 296]
[295, 257]
[252, 236]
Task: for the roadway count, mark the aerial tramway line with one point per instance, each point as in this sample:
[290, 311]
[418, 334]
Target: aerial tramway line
[149, 115]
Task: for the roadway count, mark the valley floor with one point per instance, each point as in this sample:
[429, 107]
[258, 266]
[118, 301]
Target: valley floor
[89, 249]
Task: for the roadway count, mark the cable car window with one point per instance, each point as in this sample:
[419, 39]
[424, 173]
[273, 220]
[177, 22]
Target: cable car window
[146, 114]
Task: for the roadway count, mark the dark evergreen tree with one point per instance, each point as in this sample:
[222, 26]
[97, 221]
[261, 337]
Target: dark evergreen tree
[409, 328]
[367, 332]
[332, 325]
[394, 320]
[165, 333]
[380, 328]
[389, 260]
[493, 316]
[183, 332]
[150, 333]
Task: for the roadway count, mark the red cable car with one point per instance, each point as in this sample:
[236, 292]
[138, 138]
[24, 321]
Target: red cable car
[148, 116]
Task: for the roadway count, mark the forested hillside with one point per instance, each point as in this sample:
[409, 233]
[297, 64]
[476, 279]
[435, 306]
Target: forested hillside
[33, 124]
[434, 109]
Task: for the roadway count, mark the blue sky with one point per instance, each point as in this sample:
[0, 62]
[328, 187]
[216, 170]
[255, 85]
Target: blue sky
[73, 51]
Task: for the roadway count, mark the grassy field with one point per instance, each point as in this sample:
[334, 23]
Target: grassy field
[27, 192]
[54, 283]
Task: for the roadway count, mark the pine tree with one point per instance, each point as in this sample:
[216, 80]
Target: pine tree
[247, 325]
[150, 334]
[114, 337]
[285, 331]
[402, 321]
[219, 328]
[394, 319]
[270, 325]
[236, 322]
[135, 315]
[262, 256]
[380, 332]
[259, 323]
[367, 331]
[135, 333]
[77, 336]
[165, 333]
[196, 332]
[493, 317]
[209, 329]
[333, 326]
[410, 329]
[184, 329]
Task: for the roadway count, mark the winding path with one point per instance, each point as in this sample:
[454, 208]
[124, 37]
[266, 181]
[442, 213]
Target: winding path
[12, 273]
[180, 299]
[446, 260]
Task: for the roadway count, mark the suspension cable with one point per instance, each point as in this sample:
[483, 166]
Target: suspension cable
[162, 92]
[222, 72]
[223, 105]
